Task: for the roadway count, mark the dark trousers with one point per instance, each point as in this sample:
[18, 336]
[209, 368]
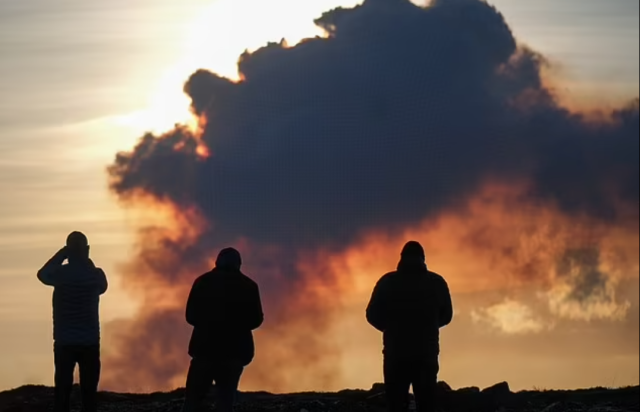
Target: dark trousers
[202, 373]
[88, 360]
[400, 373]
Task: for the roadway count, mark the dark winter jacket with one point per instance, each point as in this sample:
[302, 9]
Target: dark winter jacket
[76, 299]
[410, 306]
[224, 307]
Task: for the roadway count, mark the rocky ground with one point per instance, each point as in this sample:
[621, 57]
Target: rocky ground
[495, 399]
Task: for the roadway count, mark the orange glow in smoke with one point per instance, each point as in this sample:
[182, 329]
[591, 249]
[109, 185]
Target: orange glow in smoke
[202, 151]
[316, 337]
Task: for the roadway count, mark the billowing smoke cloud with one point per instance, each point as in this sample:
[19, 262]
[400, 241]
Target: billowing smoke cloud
[399, 116]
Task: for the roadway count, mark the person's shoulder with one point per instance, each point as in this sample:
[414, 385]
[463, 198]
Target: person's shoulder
[435, 274]
[203, 278]
[249, 282]
[438, 278]
[91, 266]
[94, 270]
[388, 277]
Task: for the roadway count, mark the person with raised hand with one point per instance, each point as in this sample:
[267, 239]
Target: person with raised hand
[77, 287]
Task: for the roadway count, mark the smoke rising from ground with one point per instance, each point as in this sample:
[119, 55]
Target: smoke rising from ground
[401, 118]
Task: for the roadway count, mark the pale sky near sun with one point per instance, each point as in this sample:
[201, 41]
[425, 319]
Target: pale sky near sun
[80, 80]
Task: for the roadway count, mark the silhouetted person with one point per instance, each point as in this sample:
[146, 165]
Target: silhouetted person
[410, 306]
[76, 320]
[224, 307]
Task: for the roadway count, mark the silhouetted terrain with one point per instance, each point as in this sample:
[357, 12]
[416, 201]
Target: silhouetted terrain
[497, 398]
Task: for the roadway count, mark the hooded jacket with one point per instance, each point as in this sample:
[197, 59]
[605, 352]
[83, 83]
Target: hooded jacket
[224, 307]
[409, 306]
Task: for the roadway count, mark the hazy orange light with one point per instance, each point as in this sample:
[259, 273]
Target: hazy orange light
[215, 41]
[495, 245]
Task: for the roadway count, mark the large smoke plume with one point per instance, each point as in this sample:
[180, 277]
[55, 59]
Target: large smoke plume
[430, 122]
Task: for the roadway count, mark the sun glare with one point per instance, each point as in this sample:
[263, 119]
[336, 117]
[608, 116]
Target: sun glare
[217, 38]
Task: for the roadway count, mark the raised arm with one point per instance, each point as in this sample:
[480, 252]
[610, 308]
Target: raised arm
[446, 306]
[48, 273]
[103, 284]
[376, 310]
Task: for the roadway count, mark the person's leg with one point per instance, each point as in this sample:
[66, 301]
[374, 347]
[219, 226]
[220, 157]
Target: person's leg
[227, 377]
[65, 364]
[425, 384]
[199, 381]
[90, 366]
[397, 383]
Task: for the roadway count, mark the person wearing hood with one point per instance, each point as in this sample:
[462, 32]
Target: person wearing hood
[224, 308]
[410, 306]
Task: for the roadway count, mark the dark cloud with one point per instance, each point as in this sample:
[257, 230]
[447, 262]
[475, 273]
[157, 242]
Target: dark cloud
[399, 113]
[402, 112]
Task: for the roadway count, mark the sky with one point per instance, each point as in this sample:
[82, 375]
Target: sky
[81, 81]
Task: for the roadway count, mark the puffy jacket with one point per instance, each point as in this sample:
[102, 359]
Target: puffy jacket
[76, 300]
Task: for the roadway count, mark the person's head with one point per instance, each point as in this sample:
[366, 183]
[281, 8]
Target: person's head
[413, 252]
[77, 246]
[229, 258]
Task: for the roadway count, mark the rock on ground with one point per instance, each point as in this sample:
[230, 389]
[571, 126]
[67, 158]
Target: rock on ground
[498, 398]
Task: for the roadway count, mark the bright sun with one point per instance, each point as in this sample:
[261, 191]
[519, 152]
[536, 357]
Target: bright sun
[222, 32]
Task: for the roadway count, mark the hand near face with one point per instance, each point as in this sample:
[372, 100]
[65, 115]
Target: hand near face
[63, 253]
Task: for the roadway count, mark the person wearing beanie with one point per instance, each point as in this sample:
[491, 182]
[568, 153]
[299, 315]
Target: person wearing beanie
[410, 306]
[78, 286]
[224, 308]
